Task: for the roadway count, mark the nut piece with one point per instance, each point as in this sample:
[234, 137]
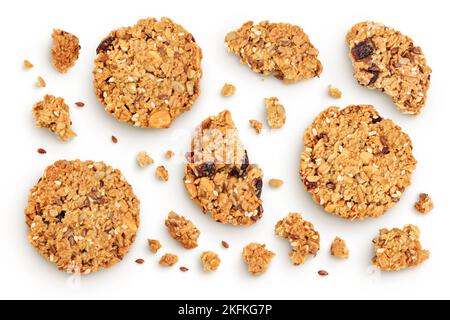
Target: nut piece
[228, 90]
[257, 125]
[182, 230]
[162, 173]
[399, 249]
[334, 92]
[339, 248]
[424, 205]
[144, 159]
[257, 258]
[154, 245]
[210, 261]
[27, 64]
[276, 114]
[303, 238]
[65, 50]
[168, 260]
[52, 113]
[40, 82]
[276, 183]
[169, 154]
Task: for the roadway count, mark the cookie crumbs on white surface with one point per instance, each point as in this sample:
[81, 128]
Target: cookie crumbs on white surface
[228, 90]
[210, 261]
[182, 230]
[257, 125]
[154, 245]
[27, 64]
[276, 183]
[144, 159]
[339, 248]
[41, 82]
[65, 50]
[424, 205]
[257, 258]
[276, 114]
[162, 173]
[168, 260]
[334, 92]
[169, 154]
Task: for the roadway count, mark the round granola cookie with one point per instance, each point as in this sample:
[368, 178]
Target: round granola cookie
[388, 61]
[82, 216]
[148, 74]
[355, 163]
[280, 49]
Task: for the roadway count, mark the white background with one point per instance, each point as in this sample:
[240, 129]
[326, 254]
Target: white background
[26, 28]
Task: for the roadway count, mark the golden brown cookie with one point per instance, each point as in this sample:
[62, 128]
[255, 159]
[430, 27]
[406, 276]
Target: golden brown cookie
[279, 49]
[82, 216]
[355, 163]
[390, 62]
[149, 74]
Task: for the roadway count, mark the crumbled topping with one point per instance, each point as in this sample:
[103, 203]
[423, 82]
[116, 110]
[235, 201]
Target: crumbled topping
[27, 64]
[257, 125]
[169, 154]
[424, 205]
[228, 90]
[41, 82]
[144, 159]
[168, 260]
[334, 92]
[276, 114]
[257, 258]
[162, 173]
[154, 245]
[210, 261]
[339, 248]
[182, 230]
[65, 50]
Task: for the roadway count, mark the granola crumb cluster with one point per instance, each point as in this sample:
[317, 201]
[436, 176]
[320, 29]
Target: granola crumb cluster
[168, 260]
[52, 113]
[228, 90]
[65, 50]
[182, 230]
[162, 173]
[169, 154]
[210, 261]
[339, 248]
[144, 159]
[279, 49]
[399, 249]
[424, 205]
[257, 258]
[27, 64]
[334, 92]
[302, 236]
[276, 114]
[154, 245]
[41, 82]
[257, 125]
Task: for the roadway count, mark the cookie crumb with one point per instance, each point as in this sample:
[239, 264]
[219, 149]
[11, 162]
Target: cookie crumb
[154, 245]
[162, 173]
[424, 205]
[339, 248]
[323, 273]
[276, 114]
[184, 269]
[398, 249]
[41, 82]
[140, 261]
[257, 258]
[65, 50]
[228, 90]
[144, 159]
[41, 151]
[27, 64]
[334, 92]
[225, 244]
[114, 139]
[210, 261]
[182, 230]
[168, 260]
[79, 104]
[276, 183]
[257, 125]
[169, 154]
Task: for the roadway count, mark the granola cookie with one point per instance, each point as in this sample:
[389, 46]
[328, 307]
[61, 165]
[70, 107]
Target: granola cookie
[388, 61]
[182, 230]
[149, 74]
[82, 216]
[302, 236]
[399, 249]
[65, 50]
[257, 258]
[219, 176]
[355, 163]
[279, 49]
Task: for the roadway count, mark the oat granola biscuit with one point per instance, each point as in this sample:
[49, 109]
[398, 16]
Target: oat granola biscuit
[275, 113]
[355, 163]
[399, 249]
[210, 261]
[302, 236]
[149, 74]
[53, 113]
[182, 230]
[65, 50]
[219, 177]
[279, 49]
[82, 216]
[390, 62]
[257, 258]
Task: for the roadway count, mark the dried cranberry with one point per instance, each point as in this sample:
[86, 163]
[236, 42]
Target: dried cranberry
[258, 186]
[310, 185]
[331, 186]
[362, 50]
[385, 150]
[207, 169]
[375, 71]
[235, 172]
[245, 162]
[376, 120]
[105, 44]
[61, 215]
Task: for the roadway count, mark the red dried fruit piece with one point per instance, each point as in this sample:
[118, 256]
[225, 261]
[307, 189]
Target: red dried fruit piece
[363, 50]
[105, 44]
[207, 169]
[310, 185]
[225, 244]
[41, 151]
[114, 139]
[258, 186]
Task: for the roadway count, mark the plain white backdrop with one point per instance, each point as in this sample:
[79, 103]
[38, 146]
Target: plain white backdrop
[26, 34]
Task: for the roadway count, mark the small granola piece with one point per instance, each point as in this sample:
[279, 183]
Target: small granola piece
[276, 183]
[304, 239]
[27, 64]
[144, 159]
[154, 245]
[182, 230]
[169, 154]
[41, 82]
[168, 260]
[339, 248]
[398, 249]
[257, 258]
[424, 205]
[276, 114]
[65, 50]
[140, 261]
[210, 261]
[257, 125]
[162, 173]
[114, 139]
[228, 90]
[334, 92]
[52, 113]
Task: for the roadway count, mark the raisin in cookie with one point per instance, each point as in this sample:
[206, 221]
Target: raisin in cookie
[82, 216]
[279, 49]
[386, 60]
[219, 176]
[148, 74]
[355, 163]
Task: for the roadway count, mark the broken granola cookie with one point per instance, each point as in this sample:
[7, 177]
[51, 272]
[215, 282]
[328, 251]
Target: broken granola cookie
[279, 49]
[65, 50]
[154, 245]
[339, 248]
[219, 176]
[82, 216]
[210, 261]
[149, 74]
[257, 125]
[305, 241]
[276, 114]
[168, 260]
[52, 113]
[143, 159]
[399, 249]
[257, 258]
[355, 163]
[388, 61]
[334, 92]
[424, 205]
[228, 90]
[182, 230]
[162, 174]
